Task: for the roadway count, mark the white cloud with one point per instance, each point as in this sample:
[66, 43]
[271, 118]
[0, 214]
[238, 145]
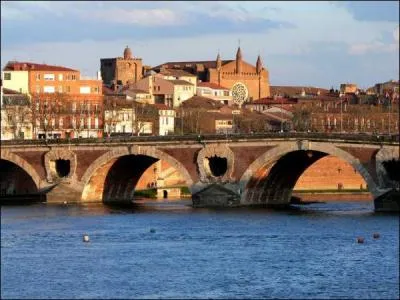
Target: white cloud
[376, 46]
[144, 17]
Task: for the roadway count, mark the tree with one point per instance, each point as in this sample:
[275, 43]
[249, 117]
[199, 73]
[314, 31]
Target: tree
[301, 119]
[142, 114]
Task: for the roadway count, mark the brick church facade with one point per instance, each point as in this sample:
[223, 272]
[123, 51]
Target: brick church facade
[120, 70]
[248, 82]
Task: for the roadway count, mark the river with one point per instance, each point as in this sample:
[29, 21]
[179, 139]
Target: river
[169, 250]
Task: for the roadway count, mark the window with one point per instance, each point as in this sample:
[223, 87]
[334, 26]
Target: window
[96, 123]
[9, 117]
[73, 77]
[60, 89]
[7, 76]
[84, 89]
[88, 123]
[49, 77]
[74, 107]
[226, 93]
[60, 122]
[68, 89]
[60, 77]
[49, 89]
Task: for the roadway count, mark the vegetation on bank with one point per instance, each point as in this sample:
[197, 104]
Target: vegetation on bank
[328, 191]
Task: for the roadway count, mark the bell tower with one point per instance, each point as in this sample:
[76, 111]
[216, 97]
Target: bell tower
[239, 61]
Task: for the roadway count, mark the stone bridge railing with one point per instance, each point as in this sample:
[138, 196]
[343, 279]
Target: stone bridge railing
[312, 136]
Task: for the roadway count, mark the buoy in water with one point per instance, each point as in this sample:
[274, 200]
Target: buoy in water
[152, 230]
[376, 235]
[360, 240]
[86, 238]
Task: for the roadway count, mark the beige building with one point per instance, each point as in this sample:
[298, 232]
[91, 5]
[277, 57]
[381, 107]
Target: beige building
[215, 92]
[176, 74]
[166, 119]
[169, 92]
[16, 115]
[16, 80]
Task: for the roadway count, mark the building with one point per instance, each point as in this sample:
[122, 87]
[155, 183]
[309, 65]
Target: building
[247, 82]
[166, 119]
[297, 91]
[382, 88]
[176, 74]
[215, 92]
[348, 88]
[128, 117]
[169, 92]
[16, 115]
[64, 104]
[121, 70]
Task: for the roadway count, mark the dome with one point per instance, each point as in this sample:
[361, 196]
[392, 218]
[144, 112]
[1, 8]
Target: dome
[127, 53]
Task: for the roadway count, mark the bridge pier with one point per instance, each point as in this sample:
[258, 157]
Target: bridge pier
[64, 191]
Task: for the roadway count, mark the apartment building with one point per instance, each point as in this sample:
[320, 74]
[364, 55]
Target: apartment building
[64, 104]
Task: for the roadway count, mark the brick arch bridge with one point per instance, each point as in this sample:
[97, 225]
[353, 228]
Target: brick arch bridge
[250, 169]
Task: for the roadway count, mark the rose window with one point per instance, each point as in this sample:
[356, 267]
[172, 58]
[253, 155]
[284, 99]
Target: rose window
[239, 93]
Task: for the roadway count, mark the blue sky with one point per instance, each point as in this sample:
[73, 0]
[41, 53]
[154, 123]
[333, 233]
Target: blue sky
[301, 43]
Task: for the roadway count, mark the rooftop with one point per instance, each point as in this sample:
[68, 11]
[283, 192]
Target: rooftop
[201, 102]
[28, 66]
[176, 73]
[180, 82]
[191, 64]
[210, 85]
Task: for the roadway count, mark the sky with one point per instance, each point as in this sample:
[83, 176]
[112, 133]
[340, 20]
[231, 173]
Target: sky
[320, 44]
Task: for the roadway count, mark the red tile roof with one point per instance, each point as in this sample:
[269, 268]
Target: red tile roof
[211, 85]
[28, 66]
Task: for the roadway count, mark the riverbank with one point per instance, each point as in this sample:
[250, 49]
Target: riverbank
[324, 197]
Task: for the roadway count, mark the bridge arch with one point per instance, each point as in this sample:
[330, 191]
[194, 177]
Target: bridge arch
[102, 165]
[23, 164]
[253, 190]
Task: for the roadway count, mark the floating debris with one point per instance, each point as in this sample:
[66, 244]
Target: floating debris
[376, 235]
[360, 240]
[86, 238]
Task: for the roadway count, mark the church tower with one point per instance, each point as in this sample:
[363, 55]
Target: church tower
[219, 65]
[259, 65]
[239, 61]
